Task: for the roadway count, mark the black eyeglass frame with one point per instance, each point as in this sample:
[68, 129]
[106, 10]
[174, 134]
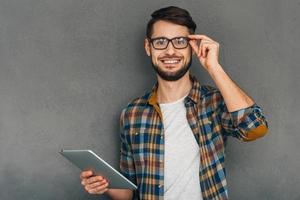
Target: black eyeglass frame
[169, 40]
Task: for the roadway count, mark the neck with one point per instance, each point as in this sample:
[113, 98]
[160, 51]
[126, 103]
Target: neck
[170, 91]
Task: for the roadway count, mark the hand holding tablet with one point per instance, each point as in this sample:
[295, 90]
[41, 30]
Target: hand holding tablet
[93, 184]
[88, 160]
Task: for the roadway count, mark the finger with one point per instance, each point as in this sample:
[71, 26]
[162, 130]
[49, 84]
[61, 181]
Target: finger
[84, 181]
[96, 184]
[201, 46]
[204, 37]
[86, 174]
[206, 47]
[205, 50]
[99, 190]
[200, 49]
[194, 46]
[94, 179]
[201, 53]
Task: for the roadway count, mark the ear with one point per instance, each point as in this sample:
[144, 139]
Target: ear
[147, 47]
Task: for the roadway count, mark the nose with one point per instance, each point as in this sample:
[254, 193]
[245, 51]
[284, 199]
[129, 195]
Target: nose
[170, 49]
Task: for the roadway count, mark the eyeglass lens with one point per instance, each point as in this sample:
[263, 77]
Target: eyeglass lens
[162, 43]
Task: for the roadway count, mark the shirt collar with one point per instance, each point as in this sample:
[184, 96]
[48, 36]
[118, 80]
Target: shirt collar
[193, 95]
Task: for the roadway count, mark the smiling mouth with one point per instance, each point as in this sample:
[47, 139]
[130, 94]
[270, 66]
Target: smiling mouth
[170, 61]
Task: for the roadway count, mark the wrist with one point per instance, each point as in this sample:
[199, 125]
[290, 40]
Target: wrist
[214, 70]
[107, 192]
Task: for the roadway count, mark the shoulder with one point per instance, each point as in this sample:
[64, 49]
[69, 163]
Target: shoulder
[211, 96]
[208, 91]
[136, 105]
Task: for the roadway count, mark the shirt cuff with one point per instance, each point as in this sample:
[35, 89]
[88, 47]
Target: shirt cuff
[250, 121]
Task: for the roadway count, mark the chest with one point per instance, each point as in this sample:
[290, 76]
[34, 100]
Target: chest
[147, 130]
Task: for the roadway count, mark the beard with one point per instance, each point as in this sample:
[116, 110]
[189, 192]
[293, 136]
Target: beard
[172, 76]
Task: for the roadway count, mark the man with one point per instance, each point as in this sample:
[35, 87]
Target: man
[173, 138]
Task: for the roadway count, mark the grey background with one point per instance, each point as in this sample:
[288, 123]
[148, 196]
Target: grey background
[68, 67]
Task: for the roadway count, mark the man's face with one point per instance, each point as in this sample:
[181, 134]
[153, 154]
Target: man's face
[170, 63]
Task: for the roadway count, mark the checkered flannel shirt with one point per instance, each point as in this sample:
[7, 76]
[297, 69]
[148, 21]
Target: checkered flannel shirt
[142, 139]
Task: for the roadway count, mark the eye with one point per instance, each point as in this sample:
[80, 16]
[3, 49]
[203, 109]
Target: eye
[160, 41]
[181, 40]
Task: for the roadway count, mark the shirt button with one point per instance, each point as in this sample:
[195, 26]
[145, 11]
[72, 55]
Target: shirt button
[136, 133]
[159, 186]
[162, 137]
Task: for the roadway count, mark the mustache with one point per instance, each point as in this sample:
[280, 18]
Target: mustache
[168, 57]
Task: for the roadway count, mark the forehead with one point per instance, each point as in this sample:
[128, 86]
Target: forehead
[168, 29]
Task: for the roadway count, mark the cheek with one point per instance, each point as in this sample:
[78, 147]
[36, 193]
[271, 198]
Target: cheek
[154, 57]
[187, 55]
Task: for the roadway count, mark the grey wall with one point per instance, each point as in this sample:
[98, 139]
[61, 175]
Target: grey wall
[67, 68]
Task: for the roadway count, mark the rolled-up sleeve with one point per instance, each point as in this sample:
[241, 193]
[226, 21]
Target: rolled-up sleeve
[126, 160]
[246, 124]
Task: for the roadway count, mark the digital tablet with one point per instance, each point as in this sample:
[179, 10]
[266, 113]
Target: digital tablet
[88, 160]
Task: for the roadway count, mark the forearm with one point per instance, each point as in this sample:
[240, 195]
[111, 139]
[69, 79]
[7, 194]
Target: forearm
[120, 194]
[235, 98]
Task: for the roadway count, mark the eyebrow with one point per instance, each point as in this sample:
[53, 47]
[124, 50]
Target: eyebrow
[169, 38]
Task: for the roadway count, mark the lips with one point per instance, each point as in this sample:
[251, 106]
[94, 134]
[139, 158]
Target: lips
[170, 60]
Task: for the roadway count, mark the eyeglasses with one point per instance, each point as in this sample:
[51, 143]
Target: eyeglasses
[161, 43]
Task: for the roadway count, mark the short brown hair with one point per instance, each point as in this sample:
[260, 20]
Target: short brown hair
[172, 14]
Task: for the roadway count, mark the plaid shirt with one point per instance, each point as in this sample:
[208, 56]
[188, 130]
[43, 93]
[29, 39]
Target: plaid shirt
[142, 139]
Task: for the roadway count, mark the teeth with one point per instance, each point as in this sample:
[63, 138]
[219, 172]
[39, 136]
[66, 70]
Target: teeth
[170, 61]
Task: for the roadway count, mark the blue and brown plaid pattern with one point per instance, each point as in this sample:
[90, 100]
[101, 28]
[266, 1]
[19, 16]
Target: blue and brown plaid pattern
[142, 139]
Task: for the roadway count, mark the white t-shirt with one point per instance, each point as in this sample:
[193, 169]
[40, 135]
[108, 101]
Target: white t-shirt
[182, 157]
